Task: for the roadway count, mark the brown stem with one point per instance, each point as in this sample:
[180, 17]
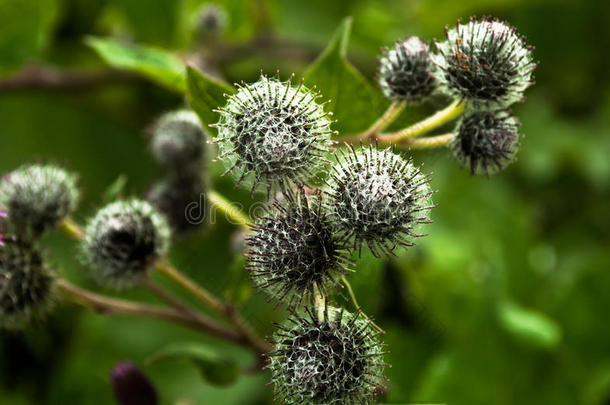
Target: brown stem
[173, 301]
[44, 77]
[112, 306]
[226, 309]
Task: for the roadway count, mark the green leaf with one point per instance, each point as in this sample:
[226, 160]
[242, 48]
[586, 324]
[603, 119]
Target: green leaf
[356, 104]
[214, 367]
[154, 63]
[205, 94]
[530, 326]
[25, 27]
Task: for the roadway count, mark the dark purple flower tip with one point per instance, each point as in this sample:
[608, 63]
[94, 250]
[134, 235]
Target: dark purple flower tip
[131, 386]
[3, 214]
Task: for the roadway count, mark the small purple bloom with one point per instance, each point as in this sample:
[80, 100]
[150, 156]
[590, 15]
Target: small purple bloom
[131, 386]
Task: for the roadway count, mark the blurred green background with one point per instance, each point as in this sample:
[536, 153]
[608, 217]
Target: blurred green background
[505, 302]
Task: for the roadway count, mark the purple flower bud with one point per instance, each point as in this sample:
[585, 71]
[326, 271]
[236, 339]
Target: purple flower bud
[2, 215]
[131, 386]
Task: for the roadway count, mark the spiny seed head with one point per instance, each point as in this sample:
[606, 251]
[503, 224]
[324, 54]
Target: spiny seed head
[485, 63]
[36, 198]
[293, 248]
[486, 141]
[123, 240]
[26, 285]
[178, 140]
[329, 358]
[212, 20]
[406, 72]
[183, 201]
[273, 134]
[378, 198]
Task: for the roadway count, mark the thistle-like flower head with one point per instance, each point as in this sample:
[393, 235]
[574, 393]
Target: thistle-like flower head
[485, 63]
[486, 141]
[293, 249]
[406, 72]
[36, 198]
[273, 134]
[378, 198]
[178, 140]
[123, 240]
[212, 20]
[182, 199]
[329, 358]
[26, 284]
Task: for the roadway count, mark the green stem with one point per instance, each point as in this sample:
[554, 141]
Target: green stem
[319, 302]
[72, 229]
[386, 119]
[430, 142]
[434, 121]
[352, 296]
[234, 214]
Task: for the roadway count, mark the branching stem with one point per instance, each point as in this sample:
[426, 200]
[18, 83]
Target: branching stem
[225, 309]
[386, 119]
[112, 306]
[437, 119]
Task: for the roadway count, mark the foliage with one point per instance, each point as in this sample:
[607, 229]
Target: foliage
[503, 302]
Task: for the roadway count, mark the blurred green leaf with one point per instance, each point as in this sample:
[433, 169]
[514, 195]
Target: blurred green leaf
[530, 326]
[205, 94]
[214, 367]
[158, 21]
[25, 27]
[355, 103]
[154, 63]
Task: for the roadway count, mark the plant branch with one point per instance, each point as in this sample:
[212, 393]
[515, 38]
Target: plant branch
[234, 214]
[430, 142]
[199, 292]
[112, 306]
[437, 119]
[48, 78]
[72, 229]
[225, 309]
[170, 299]
[386, 119]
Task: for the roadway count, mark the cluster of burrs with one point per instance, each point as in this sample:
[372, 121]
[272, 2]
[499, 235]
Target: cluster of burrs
[34, 199]
[276, 136]
[178, 143]
[328, 205]
[121, 242]
[486, 66]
